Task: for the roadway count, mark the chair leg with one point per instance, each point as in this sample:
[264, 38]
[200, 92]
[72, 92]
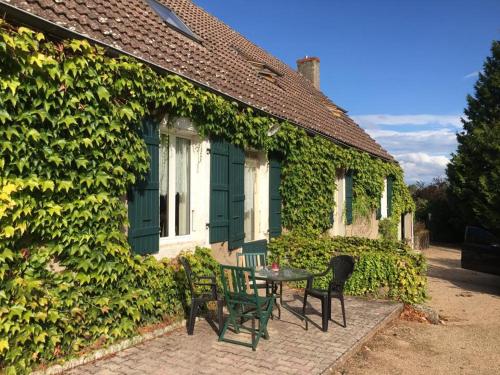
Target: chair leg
[220, 314]
[343, 308]
[324, 313]
[192, 316]
[305, 303]
[254, 343]
[330, 309]
[281, 293]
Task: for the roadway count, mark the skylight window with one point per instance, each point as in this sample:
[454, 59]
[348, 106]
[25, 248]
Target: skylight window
[171, 18]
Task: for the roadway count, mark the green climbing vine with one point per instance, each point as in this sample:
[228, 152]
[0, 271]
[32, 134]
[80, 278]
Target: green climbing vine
[309, 172]
[70, 148]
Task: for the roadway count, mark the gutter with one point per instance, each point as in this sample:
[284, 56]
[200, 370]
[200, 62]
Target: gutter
[23, 17]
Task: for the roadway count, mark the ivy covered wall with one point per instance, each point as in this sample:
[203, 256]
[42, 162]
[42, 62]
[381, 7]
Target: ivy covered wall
[69, 149]
[308, 185]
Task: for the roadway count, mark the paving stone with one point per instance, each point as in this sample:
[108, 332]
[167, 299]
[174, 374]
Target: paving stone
[290, 350]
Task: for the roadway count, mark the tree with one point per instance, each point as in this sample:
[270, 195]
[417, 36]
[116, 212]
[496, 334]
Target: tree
[436, 209]
[474, 170]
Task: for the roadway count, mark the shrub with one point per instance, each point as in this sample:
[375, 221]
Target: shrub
[388, 229]
[52, 315]
[379, 263]
[202, 263]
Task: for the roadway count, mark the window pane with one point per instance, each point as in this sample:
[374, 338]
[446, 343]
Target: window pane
[250, 180]
[182, 186]
[163, 185]
[170, 17]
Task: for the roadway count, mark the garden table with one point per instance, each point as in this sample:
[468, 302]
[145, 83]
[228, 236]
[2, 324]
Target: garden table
[284, 274]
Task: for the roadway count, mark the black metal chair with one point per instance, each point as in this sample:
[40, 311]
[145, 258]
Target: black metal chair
[341, 267]
[200, 299]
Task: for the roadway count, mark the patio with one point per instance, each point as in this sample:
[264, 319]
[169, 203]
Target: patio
[290, 349]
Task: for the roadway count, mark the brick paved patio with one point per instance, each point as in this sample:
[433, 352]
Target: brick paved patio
[290, 349]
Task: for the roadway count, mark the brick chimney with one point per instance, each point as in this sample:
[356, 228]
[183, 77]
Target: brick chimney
[309, 68]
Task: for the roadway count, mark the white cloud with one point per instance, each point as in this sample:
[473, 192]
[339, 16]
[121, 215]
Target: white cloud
[432, 142]
[472, 75]
[423, 154]
[422, 157]
[421, 166]
[370, 121]
[422, 143]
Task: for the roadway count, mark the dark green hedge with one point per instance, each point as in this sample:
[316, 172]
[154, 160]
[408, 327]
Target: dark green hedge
[379, 263]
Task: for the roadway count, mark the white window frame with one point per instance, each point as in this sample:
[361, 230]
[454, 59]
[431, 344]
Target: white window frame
[173, 134]
[255, 157]
[383, 201]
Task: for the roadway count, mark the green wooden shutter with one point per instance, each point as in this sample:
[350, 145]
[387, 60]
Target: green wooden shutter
[274, 196]
[379, 211]
[390, 182]
[348, 197]
[144, 199]
[236, 197]
[219, 191]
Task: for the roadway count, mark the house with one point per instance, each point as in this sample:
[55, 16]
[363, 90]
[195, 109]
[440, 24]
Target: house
[206, 191]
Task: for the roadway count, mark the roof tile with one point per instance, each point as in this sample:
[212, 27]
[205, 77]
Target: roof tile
[220, 61]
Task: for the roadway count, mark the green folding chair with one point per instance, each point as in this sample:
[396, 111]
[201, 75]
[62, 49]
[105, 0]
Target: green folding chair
[254, 260]
[244, 304]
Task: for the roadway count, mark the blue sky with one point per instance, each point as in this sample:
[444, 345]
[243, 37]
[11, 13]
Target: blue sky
[401, 68]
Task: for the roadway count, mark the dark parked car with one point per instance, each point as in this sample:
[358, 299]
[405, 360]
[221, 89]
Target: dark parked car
[481, 251]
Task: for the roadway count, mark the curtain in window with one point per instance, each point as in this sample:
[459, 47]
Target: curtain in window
[182, 186]
[250, 179]
[163, 185]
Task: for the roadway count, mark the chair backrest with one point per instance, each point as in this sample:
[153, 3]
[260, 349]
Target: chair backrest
[239, 284]
[259, 246]
[342, 266]
[251, 260]
[189, 273]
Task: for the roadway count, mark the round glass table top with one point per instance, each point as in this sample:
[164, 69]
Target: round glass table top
[283, 274]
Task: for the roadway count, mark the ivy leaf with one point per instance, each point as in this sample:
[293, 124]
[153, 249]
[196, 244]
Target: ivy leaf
[7, 254]
[33, 134]
[69, 120]
[9, 231]
[4, 115]
[64, 185]
[70, 66]
[126, 112]
[81, 162]
[102, 179]
[4, 345]
[87, 142]
[12, 84]
[103, 93]
[47, 185]
[56, 159]
[55, 210]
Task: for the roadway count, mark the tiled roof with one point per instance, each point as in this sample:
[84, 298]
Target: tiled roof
[223, 60]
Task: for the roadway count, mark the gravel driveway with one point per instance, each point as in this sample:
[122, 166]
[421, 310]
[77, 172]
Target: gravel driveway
[468, 341]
